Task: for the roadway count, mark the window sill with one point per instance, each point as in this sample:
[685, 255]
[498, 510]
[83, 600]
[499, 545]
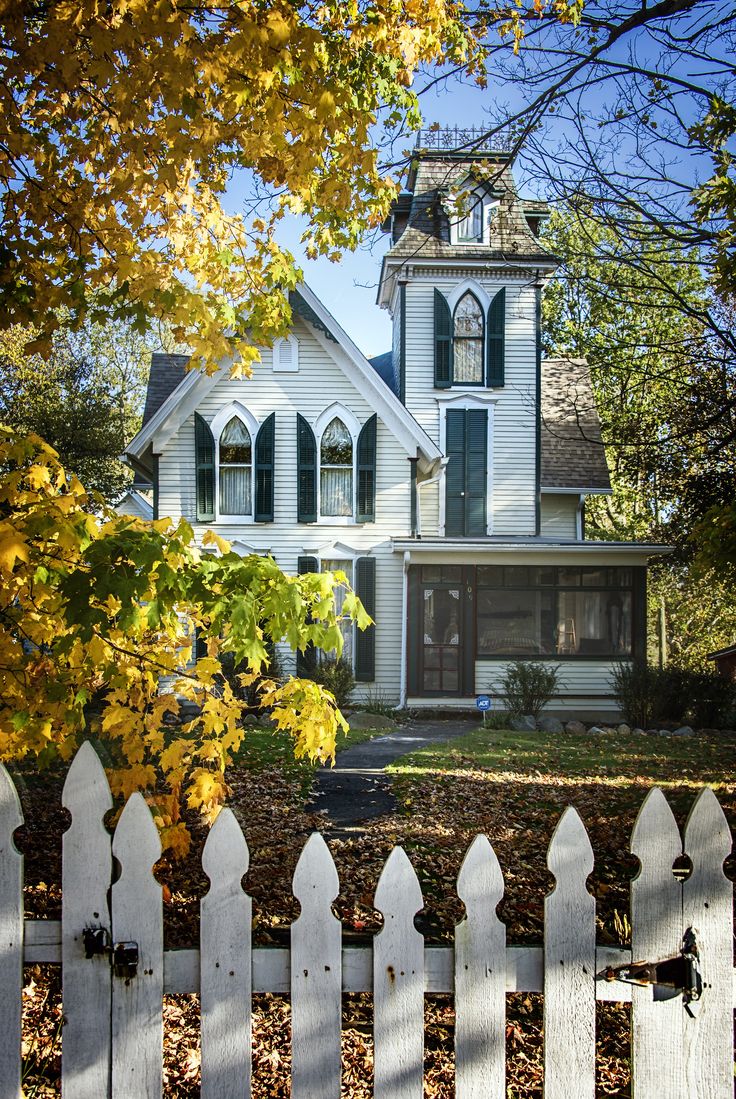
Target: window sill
[583, 657]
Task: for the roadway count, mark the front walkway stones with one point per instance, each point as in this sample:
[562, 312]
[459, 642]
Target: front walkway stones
[357, 788]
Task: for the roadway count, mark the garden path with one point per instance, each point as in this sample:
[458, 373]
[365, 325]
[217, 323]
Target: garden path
[357, 788]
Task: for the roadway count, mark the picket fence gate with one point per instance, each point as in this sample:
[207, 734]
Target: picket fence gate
[113, 1028]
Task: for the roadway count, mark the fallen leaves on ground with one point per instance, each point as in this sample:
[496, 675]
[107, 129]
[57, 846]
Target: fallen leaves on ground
[441, 810]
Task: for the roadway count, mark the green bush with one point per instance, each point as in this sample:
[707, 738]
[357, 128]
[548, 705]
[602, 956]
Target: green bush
[337, 676]
[648, 695]
[529, 685]
[633, 687]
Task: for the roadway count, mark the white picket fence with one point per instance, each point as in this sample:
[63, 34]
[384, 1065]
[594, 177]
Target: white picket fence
[113, 1029]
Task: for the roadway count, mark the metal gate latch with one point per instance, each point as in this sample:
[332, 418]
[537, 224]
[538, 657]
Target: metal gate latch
[95, 941]
[681, 974]
[125, 960]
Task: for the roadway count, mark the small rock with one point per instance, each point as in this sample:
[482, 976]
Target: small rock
[637, 731]
[524, 724]
[684, 730]
[664, 732]
[623, 729]
[551, 725]
[594, 729]
[363, 720]
[250, 719]
[576, 727]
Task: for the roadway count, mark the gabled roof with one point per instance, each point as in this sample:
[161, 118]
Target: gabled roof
[573, 455]
[174, 409]
[166, 373]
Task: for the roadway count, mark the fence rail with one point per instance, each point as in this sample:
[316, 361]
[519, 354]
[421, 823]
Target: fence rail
[112, 1040]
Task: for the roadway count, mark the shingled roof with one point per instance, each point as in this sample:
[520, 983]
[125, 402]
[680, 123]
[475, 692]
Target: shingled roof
[166, 373]
[573, 455]
[422, 228]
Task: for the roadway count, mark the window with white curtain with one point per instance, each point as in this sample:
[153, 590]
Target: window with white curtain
[236, 469]
[336, 470]
[345, 623]
[470, 227]
[468, 341]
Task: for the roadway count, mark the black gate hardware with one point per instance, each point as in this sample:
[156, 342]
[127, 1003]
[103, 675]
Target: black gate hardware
[96, 941]
[681, 973]
[125, 960]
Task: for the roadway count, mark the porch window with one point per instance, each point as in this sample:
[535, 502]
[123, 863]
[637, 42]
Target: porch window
[336, 470]
[236, 469]
[554, 611]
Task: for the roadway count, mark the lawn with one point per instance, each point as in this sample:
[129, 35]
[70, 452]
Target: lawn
[512, 786]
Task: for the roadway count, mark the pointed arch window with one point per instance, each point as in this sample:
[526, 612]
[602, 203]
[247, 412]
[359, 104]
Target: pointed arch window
[236, 469]
[336, 469]
[468, 341]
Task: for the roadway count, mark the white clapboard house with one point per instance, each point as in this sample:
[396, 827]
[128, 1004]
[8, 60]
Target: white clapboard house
[447, 477]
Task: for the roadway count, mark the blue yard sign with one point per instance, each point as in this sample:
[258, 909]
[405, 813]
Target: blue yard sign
[483, 702]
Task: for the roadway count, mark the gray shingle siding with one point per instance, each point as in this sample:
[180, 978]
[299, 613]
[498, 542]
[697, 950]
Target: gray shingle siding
[573, 455]
[166, 373]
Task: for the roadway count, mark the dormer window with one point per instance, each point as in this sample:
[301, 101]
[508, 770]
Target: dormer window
[468, 335]
[336, 469]
[470, 227]
[471, 217]
[236, 469]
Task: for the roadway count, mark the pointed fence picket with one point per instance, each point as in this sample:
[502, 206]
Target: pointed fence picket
[112, 1042]
[708, 908]
[398, 984]
[569, 965]
[657, 930]
[480, 978]
[137, 919]
[11, 939]
[225, 964]
[86, 873]
[316, 977]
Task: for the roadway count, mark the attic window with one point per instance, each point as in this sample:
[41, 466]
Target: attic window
[470, 227]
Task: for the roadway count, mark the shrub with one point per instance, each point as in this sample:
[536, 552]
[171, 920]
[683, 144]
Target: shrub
[529, 685]
[337, 676]
[648, 695]
[634, 689]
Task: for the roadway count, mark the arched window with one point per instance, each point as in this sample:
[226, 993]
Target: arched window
[336, 469]
[236, 469]
[468, 341]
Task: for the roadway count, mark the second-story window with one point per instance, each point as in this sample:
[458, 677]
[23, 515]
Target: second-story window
[236, 469]
[468, 341]
[336, 470]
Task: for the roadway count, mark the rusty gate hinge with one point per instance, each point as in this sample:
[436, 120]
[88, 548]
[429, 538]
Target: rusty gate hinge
[681, 974]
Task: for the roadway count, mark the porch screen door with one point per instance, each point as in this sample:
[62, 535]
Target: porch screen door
[442, 631]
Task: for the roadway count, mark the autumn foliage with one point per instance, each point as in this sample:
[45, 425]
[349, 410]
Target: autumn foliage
[96, 611]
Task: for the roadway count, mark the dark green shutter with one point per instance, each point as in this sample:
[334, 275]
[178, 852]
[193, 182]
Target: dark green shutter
[306, 446]
[442, 342]
[496, 339]
[367, 471]
[455, 475]
[365, 640]
[265, 470]
[476, 470]
[306, 661]
[466, 433]
[204, 454]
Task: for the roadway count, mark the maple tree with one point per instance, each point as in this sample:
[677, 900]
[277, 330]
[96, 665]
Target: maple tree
[96, 606]
[123, 125]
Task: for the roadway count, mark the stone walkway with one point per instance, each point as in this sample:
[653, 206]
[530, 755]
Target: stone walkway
[357, 788]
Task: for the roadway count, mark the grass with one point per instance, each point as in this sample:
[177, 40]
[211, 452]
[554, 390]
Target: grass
[606, 758]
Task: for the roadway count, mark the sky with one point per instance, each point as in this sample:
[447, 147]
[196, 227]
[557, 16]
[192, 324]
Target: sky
[348, 288]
